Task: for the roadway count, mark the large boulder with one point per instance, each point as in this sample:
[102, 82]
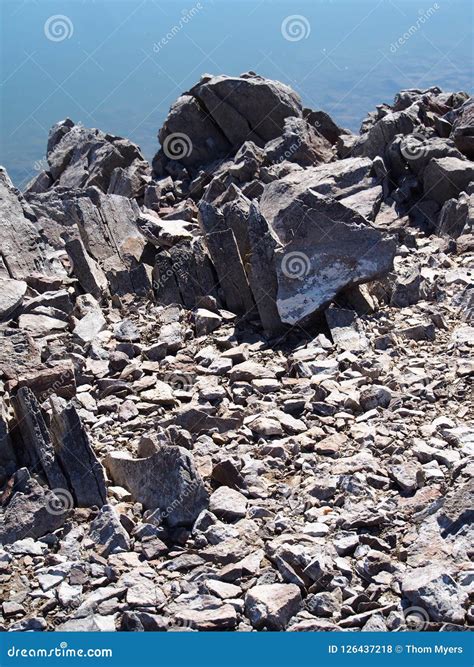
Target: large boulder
[219, 114]
[23, 250]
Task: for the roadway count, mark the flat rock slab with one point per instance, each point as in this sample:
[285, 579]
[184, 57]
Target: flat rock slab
[226, 503]
[167, 481]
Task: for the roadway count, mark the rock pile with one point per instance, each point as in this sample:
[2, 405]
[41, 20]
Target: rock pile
[235, 384]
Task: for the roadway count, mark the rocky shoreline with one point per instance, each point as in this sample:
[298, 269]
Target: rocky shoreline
[236, 383]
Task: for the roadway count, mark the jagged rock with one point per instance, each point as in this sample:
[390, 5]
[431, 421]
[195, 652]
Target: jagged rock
[272, 605]
[228, 503]
[60, 380]
[18, 352]
[108, 533]
[455, 216]
[463, 129]
[325, 247]
[167, 482]
[22, 249]
[88, 272]
[37, 451]
[79, 157]
[344, 329]
[107, 225]
[205, 321]
[164, 233]
[299, 142]
[32, 512]
[84, 473]
[226, 258]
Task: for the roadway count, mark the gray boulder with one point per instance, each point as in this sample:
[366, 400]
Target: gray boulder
[219, 114]
[444, 178]
[167, 481]
[11, 296]
[32, 512]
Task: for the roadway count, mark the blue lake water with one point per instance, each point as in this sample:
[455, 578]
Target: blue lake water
[119, 64]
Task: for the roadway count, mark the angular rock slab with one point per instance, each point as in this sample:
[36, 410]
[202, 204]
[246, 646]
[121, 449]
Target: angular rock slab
[167, 481]
[84, 473]
[22, 249]
[433, 589]
[326, 247]
[272, 605]
[108, 533]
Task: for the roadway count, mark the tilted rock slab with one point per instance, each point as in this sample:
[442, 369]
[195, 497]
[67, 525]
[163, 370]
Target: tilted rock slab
[324, 248]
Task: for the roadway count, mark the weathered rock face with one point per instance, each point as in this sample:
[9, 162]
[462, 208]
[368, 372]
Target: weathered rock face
[463, 129]
[220, 113]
